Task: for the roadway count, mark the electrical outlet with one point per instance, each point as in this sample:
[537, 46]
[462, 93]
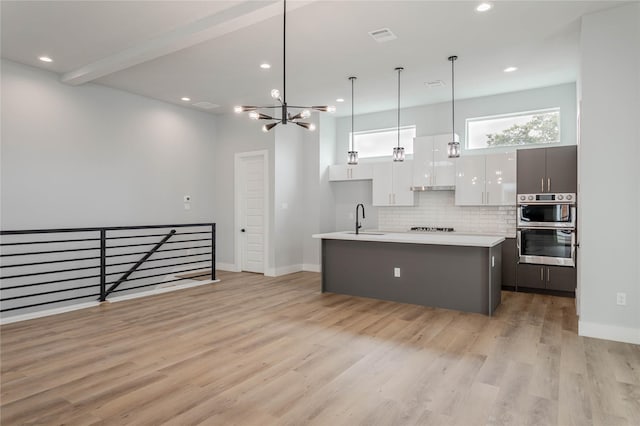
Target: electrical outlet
[396, 272]
[621, 299]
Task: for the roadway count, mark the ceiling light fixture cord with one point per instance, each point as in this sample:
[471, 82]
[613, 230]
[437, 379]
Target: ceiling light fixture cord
[399, 70]
[453, 105]
[352, 102]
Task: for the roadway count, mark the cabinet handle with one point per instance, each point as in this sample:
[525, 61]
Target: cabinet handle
[487, 197]
[548, 274]
[548, 184]
[394, 198]
[390, 198]
[541, 184]
[541, 274]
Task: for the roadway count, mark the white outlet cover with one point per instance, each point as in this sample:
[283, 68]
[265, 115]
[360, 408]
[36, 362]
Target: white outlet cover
[396, 272]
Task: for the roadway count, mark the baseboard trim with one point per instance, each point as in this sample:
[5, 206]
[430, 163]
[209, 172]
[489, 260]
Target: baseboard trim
[284, 270]
[48, 312]
[311, 267]
[229, 267]
[609, 332]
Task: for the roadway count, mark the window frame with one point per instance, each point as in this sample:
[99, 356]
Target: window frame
[513, 114]
[385, 129]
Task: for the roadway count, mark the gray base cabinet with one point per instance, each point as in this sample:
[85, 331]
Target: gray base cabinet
[509, 262]
[559, 278]
[451, 277]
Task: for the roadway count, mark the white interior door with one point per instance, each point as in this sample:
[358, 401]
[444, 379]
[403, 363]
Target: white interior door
[252, 214]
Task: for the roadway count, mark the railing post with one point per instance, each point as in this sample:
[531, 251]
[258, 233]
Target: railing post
[103, 265]
[213, 251]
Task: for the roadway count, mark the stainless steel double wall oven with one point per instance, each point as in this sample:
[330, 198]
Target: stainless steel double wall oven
[547, 229]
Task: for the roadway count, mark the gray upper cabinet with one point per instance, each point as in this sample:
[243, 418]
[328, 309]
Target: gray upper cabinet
[547, 170]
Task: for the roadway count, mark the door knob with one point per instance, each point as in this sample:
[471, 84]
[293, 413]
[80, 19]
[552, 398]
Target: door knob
[242, 230]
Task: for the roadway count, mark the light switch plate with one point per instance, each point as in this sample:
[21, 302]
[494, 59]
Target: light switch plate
[396, 272]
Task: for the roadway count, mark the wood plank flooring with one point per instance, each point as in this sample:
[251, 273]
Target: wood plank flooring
[252, 350]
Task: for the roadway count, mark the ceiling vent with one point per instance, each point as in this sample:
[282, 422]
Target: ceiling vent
[206, 105]
[434, 84]
[382, 35]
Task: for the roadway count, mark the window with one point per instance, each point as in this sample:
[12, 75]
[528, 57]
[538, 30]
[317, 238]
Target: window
[380, 142]
[522, 128]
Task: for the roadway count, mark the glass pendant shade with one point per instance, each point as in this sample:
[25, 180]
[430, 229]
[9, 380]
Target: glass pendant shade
[453, 149]
[352, 158]
[398, 153]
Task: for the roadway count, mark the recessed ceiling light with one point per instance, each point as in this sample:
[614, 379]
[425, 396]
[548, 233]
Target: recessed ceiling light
[510, 69]
[483, 7]
[265, 66]
[339, 100]
[45, 59]
[184, 98]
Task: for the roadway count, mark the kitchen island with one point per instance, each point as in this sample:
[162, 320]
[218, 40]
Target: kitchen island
[452, 271]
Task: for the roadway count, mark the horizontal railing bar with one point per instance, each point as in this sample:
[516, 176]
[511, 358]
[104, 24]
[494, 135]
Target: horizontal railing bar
[158, 235]
[108, 228]
[153, 243]
[51, 241]
[47, 292]
[55, 271]
[159, 251]
[49, 261]
[49, 282]
[161, 266]
[162, 282]
[161, 258]
[48, 252]
[160, 275]
[49, 302]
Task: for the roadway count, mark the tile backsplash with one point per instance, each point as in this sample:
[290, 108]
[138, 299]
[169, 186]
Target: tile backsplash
[436, 208]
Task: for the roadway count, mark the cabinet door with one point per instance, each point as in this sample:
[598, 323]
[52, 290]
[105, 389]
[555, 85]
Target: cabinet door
[561, 278]
[531, 171]
[562, 169]
[500, 187]
[423, 161]
[509, 262]
[532, 276]
[382, 184]
[444, 168]
[402, 179]
[470, 181]
[361, 172]
[338, 172]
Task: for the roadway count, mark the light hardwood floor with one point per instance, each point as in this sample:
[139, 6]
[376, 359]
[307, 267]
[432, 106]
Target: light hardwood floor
[252, 350]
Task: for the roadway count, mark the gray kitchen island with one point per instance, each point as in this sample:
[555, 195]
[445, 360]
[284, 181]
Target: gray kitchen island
[452, 271]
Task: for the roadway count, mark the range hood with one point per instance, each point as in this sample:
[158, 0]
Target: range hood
[433, 188]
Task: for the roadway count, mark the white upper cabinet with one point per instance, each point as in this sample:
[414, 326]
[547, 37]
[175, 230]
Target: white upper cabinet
[392, 184]
[486, 180]
[341, 172]
[432, 166]
[501, 179]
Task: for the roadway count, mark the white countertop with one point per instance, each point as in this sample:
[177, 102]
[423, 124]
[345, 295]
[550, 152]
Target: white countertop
[446, 239]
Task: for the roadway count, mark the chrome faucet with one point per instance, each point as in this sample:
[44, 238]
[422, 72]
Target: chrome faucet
[358, 225]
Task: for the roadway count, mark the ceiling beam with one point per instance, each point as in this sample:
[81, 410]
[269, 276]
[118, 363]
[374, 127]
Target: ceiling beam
[215, 25]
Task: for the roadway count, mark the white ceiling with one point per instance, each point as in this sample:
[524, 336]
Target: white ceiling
[211, 50]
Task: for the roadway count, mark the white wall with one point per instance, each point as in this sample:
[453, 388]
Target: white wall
[609, 156]
[289, 199]
[436, 118]
[319, 212]
[95, 156]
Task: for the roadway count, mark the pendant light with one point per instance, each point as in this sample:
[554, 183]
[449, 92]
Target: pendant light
[453, 147]
[398, 151]
[353, 154]
[286, 116]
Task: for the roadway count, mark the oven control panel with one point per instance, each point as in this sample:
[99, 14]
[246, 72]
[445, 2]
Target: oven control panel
[564, 198]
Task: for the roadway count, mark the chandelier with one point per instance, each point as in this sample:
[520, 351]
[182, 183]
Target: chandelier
[288, 113]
